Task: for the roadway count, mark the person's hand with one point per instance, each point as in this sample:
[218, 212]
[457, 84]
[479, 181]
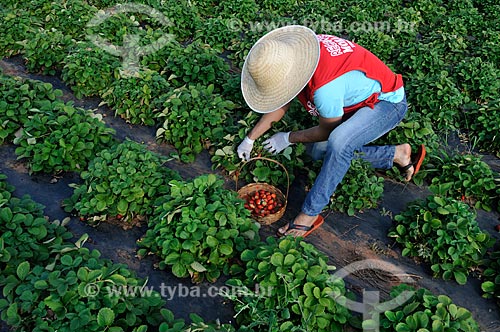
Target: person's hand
[245, 148]
[277, 143]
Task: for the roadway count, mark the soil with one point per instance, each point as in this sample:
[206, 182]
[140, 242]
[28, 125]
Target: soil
[344, 239]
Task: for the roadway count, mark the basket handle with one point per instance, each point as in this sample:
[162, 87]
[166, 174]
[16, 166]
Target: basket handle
[268, 159]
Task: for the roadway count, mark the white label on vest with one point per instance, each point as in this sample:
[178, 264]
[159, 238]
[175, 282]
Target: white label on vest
[336, 46]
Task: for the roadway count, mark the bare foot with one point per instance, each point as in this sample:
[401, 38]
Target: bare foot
[301, 219]
[402, 157]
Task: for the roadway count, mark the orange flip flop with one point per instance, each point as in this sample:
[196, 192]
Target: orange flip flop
[309, 229]
[417, 161]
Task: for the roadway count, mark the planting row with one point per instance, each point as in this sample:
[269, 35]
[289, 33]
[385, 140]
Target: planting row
[445, 51]
[54, 136]
[45, 276]
[124, 180]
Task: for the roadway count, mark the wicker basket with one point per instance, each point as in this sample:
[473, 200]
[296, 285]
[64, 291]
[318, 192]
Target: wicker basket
[251, 188]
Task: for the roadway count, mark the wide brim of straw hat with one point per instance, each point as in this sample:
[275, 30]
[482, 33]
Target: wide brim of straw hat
[278, 67]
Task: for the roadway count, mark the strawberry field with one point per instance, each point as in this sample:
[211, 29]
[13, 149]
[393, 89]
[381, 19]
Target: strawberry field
[119, 210]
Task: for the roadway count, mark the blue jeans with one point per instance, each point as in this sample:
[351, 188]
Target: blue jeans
[346, 141]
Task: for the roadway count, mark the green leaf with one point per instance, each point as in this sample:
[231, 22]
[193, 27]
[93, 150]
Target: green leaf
[435, 223]
[437, 326]
[277, 259]
[286, 326]
[22, 270]
[452, 308]
[463, 314]
[289, 259]
[198, 267]
[401, 229]
[247, 255]
[443, 211]
[122, 206]
[308, 289]
[391, 316]
[402, 327]
[67, 260]
[488, 287]
[40, 284]
[370, 324]
[105, 317]
[212, 241]
[421, 318]
[439, 200]
[460, 277]
[225, 249]
[115, 329]
[6, 215]
[179, 270]
[427, 216]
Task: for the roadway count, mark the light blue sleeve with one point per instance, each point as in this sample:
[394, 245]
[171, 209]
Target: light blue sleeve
[350, 89]
[329, 99]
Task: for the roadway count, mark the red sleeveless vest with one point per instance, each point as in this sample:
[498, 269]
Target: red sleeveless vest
[339, 56]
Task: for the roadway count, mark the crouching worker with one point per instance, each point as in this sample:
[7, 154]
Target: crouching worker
[355, 95]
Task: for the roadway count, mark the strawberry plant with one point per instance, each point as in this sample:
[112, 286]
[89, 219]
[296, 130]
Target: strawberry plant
[186, 16]
[438, 97]
[481, 121]
[431, 89]
[423, 311]
[89, 70]
[478, 79]
[485, 46]
[231, 90]
[244, 10]
[224, 151]
[360, 189]
[444, 233]
[51, 284]
[70, 18]
[491, 277]
[464, 177]
[122, 181]
[196, 63]
[117, 28]
[62, 138]
[157, 61]
[280, 7]
[198, 228]
[19, 100]
[296, 291]
[77, 290]
[193, 118]
[102, 4]
[293, 158]
[14, 24]
[198, 324]
[217, 33]
[137, 99]
[25, 234]
[45, 50]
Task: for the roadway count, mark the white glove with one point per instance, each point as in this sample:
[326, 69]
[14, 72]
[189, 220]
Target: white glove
[277, 143]
[245, 148]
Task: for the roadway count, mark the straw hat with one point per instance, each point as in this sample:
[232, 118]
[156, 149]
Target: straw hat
[278, 67]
